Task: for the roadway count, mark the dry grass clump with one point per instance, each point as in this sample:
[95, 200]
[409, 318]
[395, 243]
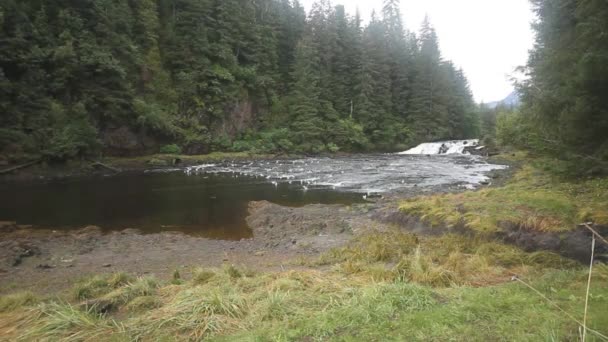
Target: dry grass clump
[99, 285]
[195, 313]
[62, 321]
[17, 300]
[377, 247]
[138, 288]
[448, 260]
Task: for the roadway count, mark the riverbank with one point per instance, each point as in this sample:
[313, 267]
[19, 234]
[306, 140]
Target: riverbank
[49, 261]
[42, 171]
[418, 268]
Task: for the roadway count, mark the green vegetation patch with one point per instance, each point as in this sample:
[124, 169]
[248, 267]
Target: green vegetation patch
[445, 261]
[534, 199]
[439, 288]
[16, 301]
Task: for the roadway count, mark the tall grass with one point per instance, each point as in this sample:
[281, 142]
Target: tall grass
[533, 199]
[17, 300]
[381, 286]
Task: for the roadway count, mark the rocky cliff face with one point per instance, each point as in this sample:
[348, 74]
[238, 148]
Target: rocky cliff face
[123, 141]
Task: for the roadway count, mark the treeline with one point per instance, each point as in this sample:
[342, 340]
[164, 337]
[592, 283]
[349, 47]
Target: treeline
[565, 97]
[78, 77]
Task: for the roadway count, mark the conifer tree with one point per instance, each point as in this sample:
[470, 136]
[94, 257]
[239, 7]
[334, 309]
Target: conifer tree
[206, 73]
[565, 94]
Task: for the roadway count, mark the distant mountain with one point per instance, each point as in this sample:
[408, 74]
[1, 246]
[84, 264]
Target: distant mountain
[513, 100]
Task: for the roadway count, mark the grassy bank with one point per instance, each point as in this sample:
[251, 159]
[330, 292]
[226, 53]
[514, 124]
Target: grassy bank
[536, 198]
[381, 286]
[389, 285]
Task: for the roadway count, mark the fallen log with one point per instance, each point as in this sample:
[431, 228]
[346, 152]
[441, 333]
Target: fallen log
[19, 167]
[111, 168]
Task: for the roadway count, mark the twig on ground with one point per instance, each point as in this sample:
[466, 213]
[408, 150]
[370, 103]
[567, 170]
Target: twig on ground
[588, 226]
[588, 287]
[19, 167]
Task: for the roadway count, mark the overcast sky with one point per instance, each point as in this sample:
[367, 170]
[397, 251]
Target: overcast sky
[487, 38]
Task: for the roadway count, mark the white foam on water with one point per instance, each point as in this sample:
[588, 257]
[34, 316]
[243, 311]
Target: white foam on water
[363, 173]
[443, 147]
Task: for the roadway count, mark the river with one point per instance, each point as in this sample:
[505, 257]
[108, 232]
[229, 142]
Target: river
[211, 200]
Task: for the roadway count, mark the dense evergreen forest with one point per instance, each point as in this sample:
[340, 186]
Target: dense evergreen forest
[84, 77]
[565, 93]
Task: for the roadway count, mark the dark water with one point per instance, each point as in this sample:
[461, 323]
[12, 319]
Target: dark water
[211, 200]
[213, 206]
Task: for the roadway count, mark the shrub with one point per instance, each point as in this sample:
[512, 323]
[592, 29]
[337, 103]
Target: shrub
[333, 148]
[170, 149]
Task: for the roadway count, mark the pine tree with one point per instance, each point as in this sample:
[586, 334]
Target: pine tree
[304, 103]
[568, 68]
[428, 107]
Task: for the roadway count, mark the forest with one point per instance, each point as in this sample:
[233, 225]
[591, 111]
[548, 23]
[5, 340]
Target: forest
[86, 78]
[564, 112]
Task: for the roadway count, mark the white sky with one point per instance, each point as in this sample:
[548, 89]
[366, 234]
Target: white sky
[487, 38]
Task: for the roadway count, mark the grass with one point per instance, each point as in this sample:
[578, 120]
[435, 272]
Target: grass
[534, 199]
[381, 286]
[17, 300]
[448, 260]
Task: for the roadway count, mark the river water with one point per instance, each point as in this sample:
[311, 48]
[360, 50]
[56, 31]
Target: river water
[211, 200]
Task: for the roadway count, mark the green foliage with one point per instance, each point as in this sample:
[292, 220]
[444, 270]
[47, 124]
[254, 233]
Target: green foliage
[170, 149]
[276, 140]
[565, 104]
[221, 75]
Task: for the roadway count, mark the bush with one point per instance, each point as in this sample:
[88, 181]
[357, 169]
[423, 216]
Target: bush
[333, 148]
[221, 143]
[72, 135]
[170, 149]
[276, 140]
[155, 118]
[347, 135]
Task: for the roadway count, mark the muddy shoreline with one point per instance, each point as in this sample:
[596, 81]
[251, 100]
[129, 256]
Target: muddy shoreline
[45, 260]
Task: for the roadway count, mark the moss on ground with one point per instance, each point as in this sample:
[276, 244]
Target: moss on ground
[535, 198]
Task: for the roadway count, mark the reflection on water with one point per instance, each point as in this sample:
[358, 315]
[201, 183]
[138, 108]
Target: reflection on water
[211, 200]
[213, 206]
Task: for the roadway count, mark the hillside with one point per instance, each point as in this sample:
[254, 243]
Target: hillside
[126, 78]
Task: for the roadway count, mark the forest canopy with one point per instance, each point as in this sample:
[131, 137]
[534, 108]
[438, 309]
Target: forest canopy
[83, 77]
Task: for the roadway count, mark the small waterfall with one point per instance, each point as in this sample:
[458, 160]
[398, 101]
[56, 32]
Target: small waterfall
[443, 147]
